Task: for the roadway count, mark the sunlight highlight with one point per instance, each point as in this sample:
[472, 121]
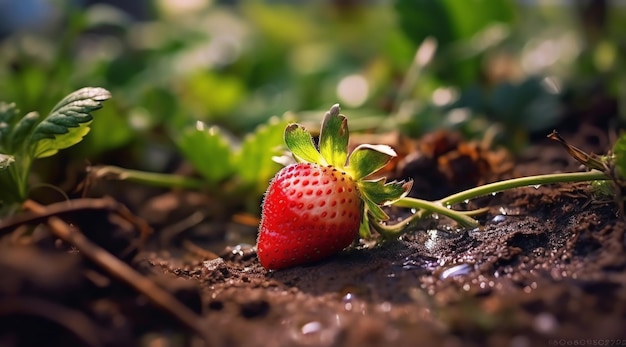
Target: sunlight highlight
[353, 90]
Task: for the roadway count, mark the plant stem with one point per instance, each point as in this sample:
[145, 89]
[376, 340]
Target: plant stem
[593, 175]
[441, 207]
[150, 178]
[438, 208]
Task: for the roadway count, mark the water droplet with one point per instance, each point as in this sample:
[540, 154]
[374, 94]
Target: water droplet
[413, 210]
[432, 239]
[319, 332]
[466, 201]
[238, 250]
[473, 232]
[410, 264]
[311, 327]
[456, 270]
[537, 186]
[347, 301]
[493, 194]
[498, 219]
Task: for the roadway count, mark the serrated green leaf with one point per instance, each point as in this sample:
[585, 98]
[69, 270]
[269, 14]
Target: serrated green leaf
[68, 122]
[8, 116]
[619, 154]
[367, 159]
[71, 119]
[208, 151]
[8, 112]
[381, 192]
[6, 161]
[50, 146]
[22, 130]
[300, 143]
[375, 210]
[334, 137]
[254, 161]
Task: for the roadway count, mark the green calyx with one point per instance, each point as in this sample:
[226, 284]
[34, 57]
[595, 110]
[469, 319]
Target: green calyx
[362, 162]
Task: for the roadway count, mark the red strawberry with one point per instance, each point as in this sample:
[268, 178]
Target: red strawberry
[309, 212]
[317, 207]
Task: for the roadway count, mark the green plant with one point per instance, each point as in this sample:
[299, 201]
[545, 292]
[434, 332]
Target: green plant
[367, 159]
[29, 137]
[234, 172]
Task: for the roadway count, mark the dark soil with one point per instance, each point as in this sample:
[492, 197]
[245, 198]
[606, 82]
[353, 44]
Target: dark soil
[548, 267]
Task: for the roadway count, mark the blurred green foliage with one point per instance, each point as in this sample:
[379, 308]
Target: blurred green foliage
[413, 65]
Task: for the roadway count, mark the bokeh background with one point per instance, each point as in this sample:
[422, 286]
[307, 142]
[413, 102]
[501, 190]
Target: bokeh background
[515, 69]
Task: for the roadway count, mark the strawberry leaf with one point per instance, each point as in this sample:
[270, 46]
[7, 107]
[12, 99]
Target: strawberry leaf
[300, 143]
[382, 193]
[22, 130]
[8, 116]
[375, 210]
[68, 122]
[208, 150]
[367, 159]
[254, 160]
[334, 138]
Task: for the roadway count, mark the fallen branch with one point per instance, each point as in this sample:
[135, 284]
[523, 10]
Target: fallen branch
[115, 267]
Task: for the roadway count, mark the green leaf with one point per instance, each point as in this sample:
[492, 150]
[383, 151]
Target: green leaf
[68, 122]
[8, 112]
[6, 161]
[254, 161]
[300, 143]
[334, 136]
[364, 227]
[382, 193]
[619, 153]
[375, 210]
[367, 159]
[50, 146]
[8, 116]
[22, 130]
[208, 151]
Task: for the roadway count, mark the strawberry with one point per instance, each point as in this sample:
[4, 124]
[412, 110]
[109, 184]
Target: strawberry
[318, 206]
[309, 213]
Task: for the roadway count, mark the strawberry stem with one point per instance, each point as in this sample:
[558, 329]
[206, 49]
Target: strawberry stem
[593, 175]
[442, 207]
[438, 208]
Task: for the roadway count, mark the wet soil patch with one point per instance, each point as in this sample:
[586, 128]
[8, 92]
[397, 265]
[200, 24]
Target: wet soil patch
[548, 267]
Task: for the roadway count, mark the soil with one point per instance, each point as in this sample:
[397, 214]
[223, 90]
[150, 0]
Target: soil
[548, 267]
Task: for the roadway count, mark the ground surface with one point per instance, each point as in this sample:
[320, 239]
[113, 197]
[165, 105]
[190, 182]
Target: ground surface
[548, 267]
